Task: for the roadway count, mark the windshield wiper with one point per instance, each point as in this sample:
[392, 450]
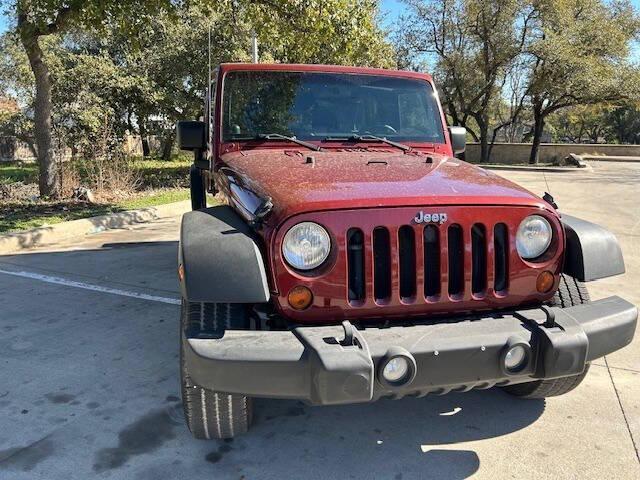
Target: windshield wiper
[278, 136]
[368, 138]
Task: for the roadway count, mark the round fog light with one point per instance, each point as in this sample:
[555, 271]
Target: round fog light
[515, 358]
[396, 370]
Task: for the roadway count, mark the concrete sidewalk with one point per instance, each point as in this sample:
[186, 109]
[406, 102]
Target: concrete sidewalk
[89, 379]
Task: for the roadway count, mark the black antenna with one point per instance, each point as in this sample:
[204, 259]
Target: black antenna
[254, 46]
[209, 96]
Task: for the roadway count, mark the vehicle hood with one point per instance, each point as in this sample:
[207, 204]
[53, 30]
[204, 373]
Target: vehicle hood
[300, 182]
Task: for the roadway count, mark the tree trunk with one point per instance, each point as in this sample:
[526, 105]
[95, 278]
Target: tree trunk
[146, 149]
[484, 142]
[48, 179]
[167, 146]
[538, 129]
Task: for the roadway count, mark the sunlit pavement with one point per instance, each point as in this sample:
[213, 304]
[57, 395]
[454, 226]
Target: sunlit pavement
[89, 379]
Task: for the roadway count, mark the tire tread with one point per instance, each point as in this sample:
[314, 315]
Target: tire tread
[570, 292]
[210, 414]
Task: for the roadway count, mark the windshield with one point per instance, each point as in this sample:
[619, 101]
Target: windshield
[314, 106]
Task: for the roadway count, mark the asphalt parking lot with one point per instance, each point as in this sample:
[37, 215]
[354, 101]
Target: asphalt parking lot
[89, 378]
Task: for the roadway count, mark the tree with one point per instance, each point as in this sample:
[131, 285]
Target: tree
[36, 19]
[624, 122]
[169, 59]
[474, 44]
[582, 123]
[579, 57]
[144, 64]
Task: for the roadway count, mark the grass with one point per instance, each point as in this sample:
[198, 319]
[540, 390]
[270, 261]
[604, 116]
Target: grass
[163, 174]
[16, 172]
[157, 198]
[16, 217]
[162, 182]
[154, 173]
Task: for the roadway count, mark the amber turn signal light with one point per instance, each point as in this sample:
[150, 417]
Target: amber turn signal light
[545, 282]
[300, 297]
[181, 273]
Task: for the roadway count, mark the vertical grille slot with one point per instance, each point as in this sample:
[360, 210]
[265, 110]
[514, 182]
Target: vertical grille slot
[456, 260]
[431, 261]
[355, 258]
[407, 257]
[478, 259]
[501, 261]
[381, 264]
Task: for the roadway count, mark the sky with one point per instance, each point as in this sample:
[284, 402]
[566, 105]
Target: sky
[393, 8]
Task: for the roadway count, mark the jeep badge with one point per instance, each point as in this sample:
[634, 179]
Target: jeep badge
[422, 217]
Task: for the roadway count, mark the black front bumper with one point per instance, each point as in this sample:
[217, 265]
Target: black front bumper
[319, 366]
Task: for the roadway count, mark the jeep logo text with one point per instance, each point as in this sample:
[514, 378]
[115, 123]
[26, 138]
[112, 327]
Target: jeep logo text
[422, 217]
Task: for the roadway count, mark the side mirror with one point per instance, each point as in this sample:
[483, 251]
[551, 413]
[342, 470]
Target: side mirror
[458, 139]
[191, 135]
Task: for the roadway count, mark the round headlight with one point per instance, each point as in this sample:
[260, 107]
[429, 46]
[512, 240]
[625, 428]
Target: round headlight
[306, 246]
[533, 237]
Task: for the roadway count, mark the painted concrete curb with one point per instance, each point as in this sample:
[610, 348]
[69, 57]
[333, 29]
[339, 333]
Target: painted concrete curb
[15, 242]
[609, 158]
[532, 168]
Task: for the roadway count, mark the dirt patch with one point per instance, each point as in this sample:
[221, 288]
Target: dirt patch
[18, 192]
[59, 398]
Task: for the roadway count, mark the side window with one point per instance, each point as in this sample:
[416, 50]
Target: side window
[212, 107]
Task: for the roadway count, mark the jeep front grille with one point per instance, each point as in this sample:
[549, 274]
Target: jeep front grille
[384, 265]
[423, 266]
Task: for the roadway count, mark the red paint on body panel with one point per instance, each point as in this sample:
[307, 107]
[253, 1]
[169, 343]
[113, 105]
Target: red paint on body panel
[354, 179]
[367, 185]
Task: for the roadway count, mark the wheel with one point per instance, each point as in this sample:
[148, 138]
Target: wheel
[210, 414]
[570, 292]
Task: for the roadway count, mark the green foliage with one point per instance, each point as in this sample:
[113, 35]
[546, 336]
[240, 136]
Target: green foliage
[17, 172]
[140, 69]
[603, 122]
[624, 123]
[580, 53]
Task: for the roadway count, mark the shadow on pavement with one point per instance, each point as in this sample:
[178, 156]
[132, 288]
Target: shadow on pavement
[149, 265]
[121, 377]
[414, 437]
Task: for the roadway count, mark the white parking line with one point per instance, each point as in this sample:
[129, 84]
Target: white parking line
[88, 286]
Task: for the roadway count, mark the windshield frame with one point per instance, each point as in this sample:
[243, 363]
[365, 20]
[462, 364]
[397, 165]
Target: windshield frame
[240, 143]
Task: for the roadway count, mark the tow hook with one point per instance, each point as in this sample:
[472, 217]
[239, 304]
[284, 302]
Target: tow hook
[349, 339]
[550, 322]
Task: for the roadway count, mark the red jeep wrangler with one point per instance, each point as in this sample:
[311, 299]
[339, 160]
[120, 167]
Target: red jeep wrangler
[356, 258]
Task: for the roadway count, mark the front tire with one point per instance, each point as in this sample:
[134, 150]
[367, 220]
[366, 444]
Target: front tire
[570, 292]
[211, 414]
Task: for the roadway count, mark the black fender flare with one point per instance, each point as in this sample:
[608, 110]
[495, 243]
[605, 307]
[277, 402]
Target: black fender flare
[219, 258]
[592, 251]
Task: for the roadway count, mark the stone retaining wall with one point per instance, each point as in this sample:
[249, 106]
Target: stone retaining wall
[518, 153]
